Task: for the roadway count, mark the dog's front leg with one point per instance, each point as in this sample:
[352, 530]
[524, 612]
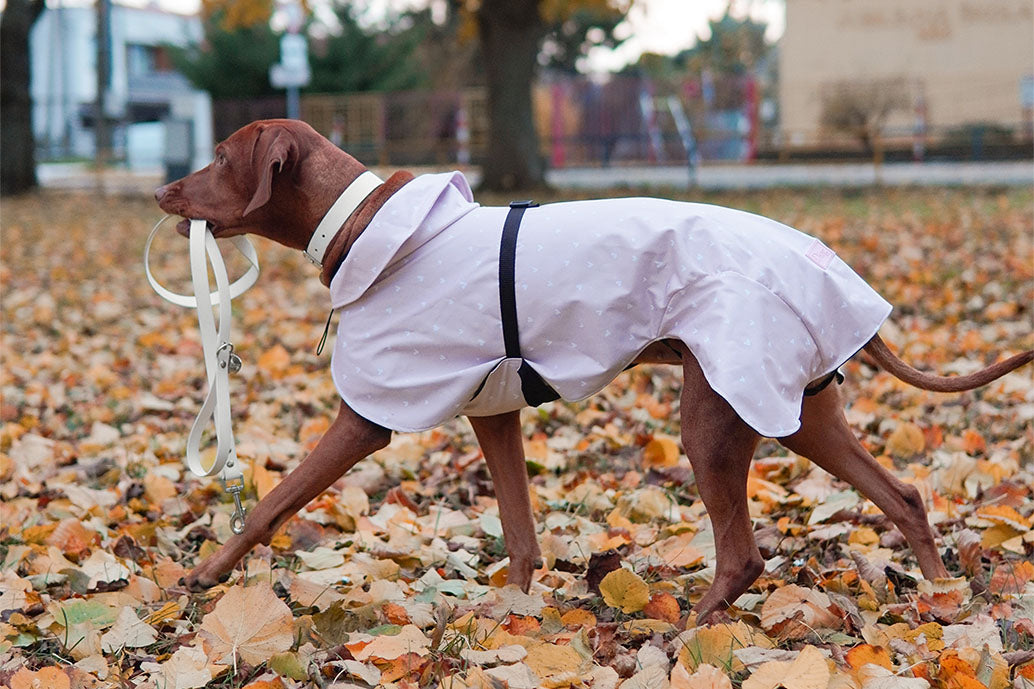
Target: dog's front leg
[349, 439]
[503, 447]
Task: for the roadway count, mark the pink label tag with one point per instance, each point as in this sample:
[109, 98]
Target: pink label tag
[820, 254]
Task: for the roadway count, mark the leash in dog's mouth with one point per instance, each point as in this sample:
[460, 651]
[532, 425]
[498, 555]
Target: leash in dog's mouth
[219, 355]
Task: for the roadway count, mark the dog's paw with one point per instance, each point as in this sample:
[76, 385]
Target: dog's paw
[198, 582]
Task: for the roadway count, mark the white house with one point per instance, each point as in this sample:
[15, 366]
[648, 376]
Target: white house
[145, 90]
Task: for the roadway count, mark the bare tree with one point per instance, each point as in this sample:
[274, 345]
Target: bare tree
[861, 108]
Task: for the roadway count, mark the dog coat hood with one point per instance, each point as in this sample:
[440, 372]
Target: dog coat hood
[764, 308]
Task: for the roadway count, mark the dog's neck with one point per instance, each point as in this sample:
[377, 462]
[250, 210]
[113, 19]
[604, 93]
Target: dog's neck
[357, 222]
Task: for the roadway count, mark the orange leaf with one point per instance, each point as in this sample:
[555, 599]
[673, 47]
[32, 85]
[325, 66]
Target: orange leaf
[276, 359]
[312, 430]
[71, 537]
[579, 617]
[973, 443]
[864, 654]
[520, 625]
[661, 451]
[402, 666]
[395, 613]
[51, 677]
[663, 606]
[1011, 577]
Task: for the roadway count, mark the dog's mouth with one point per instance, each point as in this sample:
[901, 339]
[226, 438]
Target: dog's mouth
[183, 227]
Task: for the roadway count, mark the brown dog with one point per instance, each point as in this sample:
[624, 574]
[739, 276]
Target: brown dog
[278, 178]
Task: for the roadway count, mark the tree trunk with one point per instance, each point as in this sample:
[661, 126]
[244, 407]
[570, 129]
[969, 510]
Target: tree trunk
[511, 31]
[18, 162]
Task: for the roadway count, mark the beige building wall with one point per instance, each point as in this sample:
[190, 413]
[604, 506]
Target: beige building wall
[966, 58]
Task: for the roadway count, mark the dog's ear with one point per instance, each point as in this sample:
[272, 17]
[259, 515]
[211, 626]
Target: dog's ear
[274, 150]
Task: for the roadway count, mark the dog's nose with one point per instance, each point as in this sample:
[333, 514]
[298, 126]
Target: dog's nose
[160, 192]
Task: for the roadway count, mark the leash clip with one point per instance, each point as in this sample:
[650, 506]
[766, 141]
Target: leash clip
[234, 486]
[230, 361]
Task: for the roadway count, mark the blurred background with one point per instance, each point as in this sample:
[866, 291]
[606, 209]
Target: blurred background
[523, 92]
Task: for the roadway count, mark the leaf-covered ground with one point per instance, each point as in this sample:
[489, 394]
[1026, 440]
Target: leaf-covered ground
[391, 578]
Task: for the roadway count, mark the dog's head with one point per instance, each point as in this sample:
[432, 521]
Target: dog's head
[259, 182]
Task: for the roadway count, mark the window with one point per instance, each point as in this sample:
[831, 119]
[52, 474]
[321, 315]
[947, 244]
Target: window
[147, 60]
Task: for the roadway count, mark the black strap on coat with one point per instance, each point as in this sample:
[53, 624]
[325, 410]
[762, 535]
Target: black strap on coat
[533, 387]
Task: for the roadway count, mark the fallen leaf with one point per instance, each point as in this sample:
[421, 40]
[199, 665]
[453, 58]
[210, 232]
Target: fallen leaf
[409, 639]
[50, 677]
[188, 668]
[663, 606]
[808, 671]
[128, 632]
[661, 451]
[793, 612]
[624, 589]
[249, 622]
[705, 677]
[906, 440]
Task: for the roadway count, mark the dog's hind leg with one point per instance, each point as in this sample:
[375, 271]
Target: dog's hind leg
[720, 447]
[503, 447]
[826, 439]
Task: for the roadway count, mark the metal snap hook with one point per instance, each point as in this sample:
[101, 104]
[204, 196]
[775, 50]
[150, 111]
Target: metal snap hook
[232, 362]
[234, 489]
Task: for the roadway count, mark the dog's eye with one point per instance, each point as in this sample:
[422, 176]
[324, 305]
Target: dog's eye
[220, 159]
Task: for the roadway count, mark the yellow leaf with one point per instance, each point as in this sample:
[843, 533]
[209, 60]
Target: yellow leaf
[250, 622]
[906, 440]
[863, 535]
[705, 677]
[579, 617]
[809, 670]
[624, 589]
[714, 645]
[549, 660]
[661, 451]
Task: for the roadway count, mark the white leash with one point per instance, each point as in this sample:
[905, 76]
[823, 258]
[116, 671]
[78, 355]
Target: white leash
[220, 359]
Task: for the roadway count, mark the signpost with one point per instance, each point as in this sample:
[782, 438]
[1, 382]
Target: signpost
[292, 72]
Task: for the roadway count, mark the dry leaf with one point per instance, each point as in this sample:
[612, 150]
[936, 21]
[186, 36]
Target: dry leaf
[188, 668]
[808, 671]
[906, 440]
[250, 622]
[715, 645]
[50, 677]
[793, 612]
[550, 661]
[878, 677]
[388, 647]
[661, 451]
[128, 632]
[705, 677]
[663, 606]
[624, 589]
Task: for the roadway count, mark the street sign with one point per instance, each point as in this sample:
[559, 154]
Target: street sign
[293, 69]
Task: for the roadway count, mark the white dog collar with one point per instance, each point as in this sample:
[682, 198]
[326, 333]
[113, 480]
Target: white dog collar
[353, 195]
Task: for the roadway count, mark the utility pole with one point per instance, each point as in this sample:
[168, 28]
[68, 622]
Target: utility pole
[102, 126]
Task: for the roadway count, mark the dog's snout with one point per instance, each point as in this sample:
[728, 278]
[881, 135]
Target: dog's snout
[160, 193]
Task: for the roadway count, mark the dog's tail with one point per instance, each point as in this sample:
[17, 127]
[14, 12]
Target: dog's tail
[889, 362]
